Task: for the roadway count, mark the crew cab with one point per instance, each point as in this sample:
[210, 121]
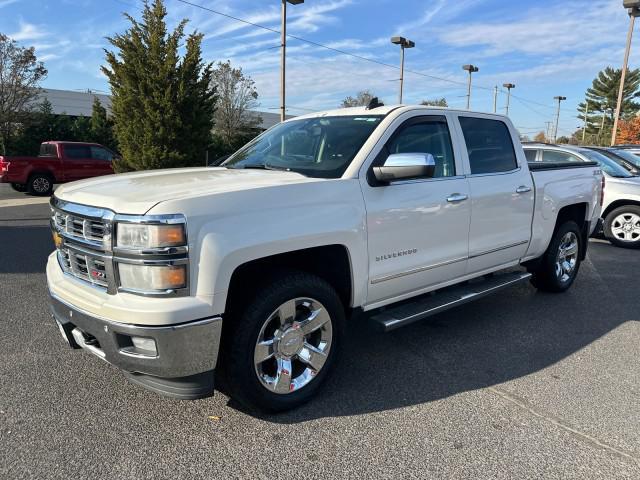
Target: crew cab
[58, 162]
[249, 272]
[621, 198]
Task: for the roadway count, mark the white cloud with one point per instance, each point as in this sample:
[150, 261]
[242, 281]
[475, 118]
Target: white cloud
[6, 3]
[572, 26]
[28, 31]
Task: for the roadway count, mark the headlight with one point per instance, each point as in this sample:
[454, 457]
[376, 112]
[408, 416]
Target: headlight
[135, 235]
[152, 277]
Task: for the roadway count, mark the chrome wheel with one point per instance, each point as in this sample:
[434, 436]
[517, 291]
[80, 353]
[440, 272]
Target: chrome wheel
[41, 185]
[567, 258]
[293, 345]
[626, 227]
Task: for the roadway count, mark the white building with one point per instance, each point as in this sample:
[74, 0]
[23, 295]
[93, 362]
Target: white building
[79, 103]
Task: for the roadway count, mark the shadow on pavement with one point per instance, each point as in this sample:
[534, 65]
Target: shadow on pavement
[510, 335]
[24, 249]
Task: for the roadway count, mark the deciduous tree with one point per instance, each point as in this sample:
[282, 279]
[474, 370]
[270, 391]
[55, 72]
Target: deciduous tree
[234, 120]
[20, 77]
[629, 131]
[436, 102]
[362, 99]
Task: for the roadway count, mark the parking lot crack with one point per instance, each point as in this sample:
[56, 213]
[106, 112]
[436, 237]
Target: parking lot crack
[560, 423]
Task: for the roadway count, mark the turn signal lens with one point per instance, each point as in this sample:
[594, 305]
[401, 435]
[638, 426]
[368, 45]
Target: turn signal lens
[152, 277]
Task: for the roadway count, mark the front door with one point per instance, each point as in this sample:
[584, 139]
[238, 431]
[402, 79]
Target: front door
[418, 230]
[502, 195]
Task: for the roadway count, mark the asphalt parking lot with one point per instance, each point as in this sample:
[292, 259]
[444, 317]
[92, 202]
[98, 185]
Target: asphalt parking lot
[518, 385]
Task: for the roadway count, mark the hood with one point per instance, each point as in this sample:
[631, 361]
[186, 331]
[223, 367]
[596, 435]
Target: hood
[136, 193]
[632, 181]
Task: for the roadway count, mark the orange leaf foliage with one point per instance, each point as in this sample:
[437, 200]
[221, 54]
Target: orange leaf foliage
[629, 131]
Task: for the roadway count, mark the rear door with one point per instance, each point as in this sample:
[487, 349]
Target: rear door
[78, 163]
[501, 192]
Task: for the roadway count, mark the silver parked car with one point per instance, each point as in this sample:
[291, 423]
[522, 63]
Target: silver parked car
[621, 204]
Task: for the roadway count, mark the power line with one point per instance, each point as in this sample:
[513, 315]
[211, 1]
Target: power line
[522, 100]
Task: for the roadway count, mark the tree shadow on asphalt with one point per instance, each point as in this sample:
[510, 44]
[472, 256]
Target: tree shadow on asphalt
[494, 340]
[24, 249]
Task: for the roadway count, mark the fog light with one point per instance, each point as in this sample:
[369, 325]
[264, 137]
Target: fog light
[144, 345]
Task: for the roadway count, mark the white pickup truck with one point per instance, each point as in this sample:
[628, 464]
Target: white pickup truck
[252, 269]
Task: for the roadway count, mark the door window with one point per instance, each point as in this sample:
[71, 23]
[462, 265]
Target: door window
[489, 145]
[427, 137]
[100, 153]
[77, 151]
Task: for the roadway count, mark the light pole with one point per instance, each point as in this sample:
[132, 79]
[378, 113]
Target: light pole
[283, 48]
[495, 99]
[404, 43]
[584, 127]
[508, 86]
[471, 69]
[633, 7]
[555, 130]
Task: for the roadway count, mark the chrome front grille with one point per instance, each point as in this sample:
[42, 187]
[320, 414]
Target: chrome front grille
[88, 267]
[88, 230]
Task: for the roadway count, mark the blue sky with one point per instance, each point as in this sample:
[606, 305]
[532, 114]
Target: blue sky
[545, 47]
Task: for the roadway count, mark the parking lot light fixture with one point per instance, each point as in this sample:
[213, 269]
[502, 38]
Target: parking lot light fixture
[633, 8]
[555, 132]
[283, 48]
[471, 69]
[404, 43]
[508, 86]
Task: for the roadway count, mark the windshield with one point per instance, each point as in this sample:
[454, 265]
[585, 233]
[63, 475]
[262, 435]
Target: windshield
[628, 156]
[609, 166]
[321, 147]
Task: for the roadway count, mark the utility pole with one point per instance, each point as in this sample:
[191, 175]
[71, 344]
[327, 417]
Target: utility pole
[495, 99]
[283, 48]
[584, 128]
[404, 43]
[471, 69]
[508, 86]
[633, 7]
[555, 133]
[548, 131]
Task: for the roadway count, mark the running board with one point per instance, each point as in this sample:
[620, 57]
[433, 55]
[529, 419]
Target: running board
[444, 299]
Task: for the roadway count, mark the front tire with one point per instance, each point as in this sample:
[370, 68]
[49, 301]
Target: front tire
[558, 267]
[279, 349]
[40, 184]
[622, 226]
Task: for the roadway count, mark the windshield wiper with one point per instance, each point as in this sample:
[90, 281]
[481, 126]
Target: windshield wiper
[266, 166]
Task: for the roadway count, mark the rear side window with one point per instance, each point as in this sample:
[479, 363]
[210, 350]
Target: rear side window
[427, 137]
[489, 145]
[77, 151]
[48, 150]
[558, 157]
[531, 155]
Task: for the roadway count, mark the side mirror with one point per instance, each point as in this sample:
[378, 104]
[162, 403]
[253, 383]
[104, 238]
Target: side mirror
[404, 166]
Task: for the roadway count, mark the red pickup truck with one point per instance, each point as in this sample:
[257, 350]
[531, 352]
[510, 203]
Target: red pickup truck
[58, 162]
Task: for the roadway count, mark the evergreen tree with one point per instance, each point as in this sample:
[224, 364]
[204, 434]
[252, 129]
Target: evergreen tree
[162, 104]
[101, 126]
[602, 98]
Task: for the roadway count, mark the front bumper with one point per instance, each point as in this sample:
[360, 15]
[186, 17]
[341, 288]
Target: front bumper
[182, 365]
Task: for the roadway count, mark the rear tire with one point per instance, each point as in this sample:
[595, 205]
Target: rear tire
[40, 184]
[19, 187]
[273, 326]
[622, 226]
[558, 267]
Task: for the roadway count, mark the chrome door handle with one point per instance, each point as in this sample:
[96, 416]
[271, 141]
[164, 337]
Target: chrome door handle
[456, 197]
[523, 189]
